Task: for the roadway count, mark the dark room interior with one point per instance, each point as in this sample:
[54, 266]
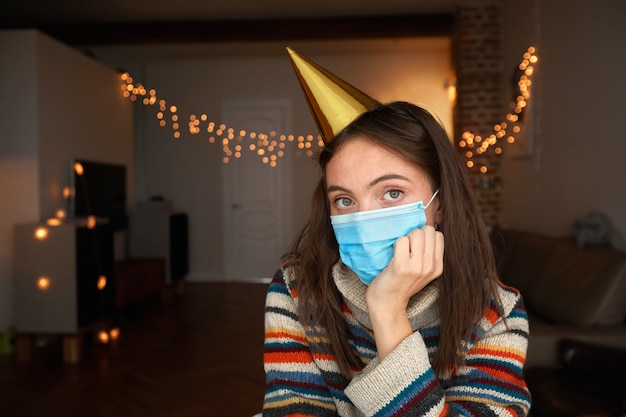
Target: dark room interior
[156, 315]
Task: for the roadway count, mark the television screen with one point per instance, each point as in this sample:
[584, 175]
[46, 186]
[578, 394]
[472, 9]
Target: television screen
[100, 190]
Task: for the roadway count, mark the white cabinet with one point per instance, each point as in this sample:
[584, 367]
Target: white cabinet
[57, 277]
[64, 282]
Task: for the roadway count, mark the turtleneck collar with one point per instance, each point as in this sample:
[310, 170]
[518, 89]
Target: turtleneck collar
[421, 311]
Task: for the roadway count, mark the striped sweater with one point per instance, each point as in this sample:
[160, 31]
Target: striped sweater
[304, 380]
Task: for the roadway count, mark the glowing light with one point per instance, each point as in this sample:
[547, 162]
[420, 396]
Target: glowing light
[78, 168]
[102, 282]
[103, 337]
[53, 221]
[114, 334]
[91, 222]
[41, 233]
[43, 283]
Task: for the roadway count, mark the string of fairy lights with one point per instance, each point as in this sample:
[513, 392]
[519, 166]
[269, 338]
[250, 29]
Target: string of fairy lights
[271, 146]
[105, 332]
[511, 128]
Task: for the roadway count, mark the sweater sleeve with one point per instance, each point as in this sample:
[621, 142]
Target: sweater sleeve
[295, 385]
[489, 383]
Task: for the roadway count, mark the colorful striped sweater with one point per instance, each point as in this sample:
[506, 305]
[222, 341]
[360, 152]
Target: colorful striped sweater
[304, 380]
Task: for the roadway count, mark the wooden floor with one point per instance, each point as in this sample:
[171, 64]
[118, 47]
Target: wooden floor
[199, 354]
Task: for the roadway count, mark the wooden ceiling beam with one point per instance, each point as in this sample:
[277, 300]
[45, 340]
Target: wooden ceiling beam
[200, 31]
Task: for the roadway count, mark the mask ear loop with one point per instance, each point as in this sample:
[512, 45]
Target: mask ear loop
[431, 199]
[428, 204]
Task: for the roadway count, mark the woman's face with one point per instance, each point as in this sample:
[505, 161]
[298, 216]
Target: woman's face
[364, 176]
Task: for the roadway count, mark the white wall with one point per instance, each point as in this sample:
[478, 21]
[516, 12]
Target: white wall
[19, 171]
[82, 114]
[577, 164]
[188, 171]
[56, 104]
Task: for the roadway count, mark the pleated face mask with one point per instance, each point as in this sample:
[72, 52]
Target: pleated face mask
[366, 238]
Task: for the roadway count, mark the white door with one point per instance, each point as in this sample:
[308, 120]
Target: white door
[256, 196]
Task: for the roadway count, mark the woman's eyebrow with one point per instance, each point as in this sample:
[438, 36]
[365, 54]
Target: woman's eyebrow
[382, 178]
[387, 177]
[332, 188]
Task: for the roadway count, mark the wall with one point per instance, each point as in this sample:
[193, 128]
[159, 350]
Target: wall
[81, 115]
[19, 171]
[56, 104]
[577, 159]
[187, 171]
[478, 62]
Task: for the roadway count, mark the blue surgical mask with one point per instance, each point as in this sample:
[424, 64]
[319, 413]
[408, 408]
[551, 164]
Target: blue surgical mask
[366, 238]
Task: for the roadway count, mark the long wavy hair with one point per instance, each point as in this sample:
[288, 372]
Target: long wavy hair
[468, 284]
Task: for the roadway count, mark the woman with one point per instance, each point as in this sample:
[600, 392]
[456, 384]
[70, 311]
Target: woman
[370, 315]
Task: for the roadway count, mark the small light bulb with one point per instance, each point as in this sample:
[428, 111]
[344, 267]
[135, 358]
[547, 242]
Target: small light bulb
[78, 169]
[43, 283]
[103, 336]
[41, 233]
[114, 334]
[53, 221]
[102, 282]
[91, 222]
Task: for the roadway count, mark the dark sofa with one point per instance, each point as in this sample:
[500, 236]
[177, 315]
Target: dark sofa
[576, 302]
[570, 292]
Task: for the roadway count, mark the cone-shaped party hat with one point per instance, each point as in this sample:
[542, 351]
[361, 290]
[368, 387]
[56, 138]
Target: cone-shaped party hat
[333, 102]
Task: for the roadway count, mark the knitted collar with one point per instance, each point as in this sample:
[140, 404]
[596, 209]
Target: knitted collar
[422, 310]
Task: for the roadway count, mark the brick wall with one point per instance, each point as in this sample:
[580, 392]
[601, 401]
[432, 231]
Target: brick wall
[478, 62]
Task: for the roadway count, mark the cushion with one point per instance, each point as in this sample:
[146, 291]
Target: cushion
[580, 286]
[520, 256]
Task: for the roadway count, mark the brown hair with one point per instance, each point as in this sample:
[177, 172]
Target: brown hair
[468, 283]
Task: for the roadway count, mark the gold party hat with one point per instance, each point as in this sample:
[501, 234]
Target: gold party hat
[333, 102]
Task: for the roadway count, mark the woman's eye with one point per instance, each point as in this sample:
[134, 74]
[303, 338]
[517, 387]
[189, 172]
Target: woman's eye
[392, 195]
[343, 202]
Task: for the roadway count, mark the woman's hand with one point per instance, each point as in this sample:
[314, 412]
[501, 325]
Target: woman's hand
[417, 260]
